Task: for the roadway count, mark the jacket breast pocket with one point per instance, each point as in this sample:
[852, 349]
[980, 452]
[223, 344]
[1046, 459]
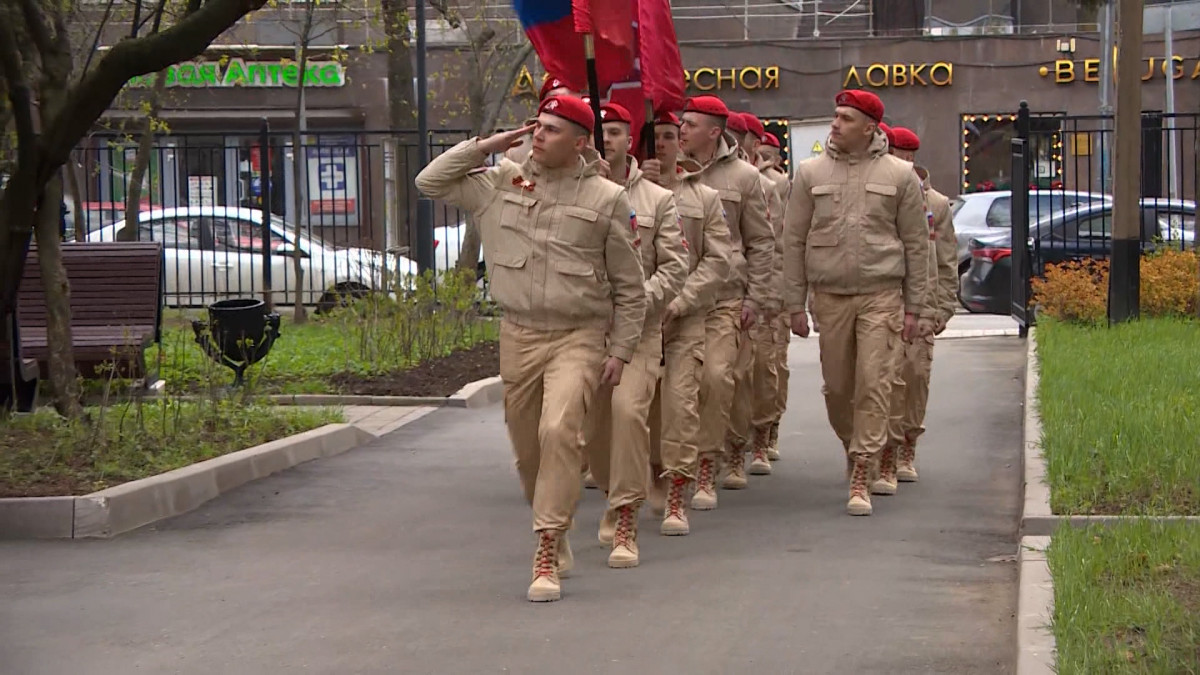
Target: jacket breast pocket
[731, 202]
[581, 226]
[827, 199]
[516, 216]
[581, 287]
[881, 200]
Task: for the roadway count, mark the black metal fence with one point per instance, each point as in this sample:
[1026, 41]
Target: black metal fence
[1067, 167]
[345, 199]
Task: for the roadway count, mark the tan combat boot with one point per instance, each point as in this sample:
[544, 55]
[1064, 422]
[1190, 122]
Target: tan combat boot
[906, 470]
[566, 558]
[705, 498]
[608, 524]
[546, 586]
[773, 449]
[624, 544]
[735, 469]
[760, 464]
[860, 498]
[676, 522]
[885, 484]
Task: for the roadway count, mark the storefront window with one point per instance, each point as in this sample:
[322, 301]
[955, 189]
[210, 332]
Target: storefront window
[987, 152]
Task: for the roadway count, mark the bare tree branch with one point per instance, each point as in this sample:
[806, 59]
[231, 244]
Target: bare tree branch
[20, 96]
[39, 32]
[99, 32]
[94, 93]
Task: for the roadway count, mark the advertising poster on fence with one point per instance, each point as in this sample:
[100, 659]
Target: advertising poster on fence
[333, 185]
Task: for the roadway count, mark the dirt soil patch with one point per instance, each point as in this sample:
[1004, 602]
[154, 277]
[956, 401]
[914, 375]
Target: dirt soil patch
[442, 376]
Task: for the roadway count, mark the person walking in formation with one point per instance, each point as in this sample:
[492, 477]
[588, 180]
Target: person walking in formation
[771, 165]
[618, 437]
[910, 387]
[712, 156]
[856, 234]
[557, 239]
[675, 413]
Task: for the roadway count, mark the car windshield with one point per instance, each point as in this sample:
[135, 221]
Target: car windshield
[289, 229]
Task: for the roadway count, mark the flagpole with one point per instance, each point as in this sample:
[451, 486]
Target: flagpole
[648, 129]
[589, 53]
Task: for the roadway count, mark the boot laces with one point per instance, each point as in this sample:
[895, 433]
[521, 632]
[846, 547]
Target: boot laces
[545, 563]
[706, 473]
[624, 533]
[908, 451]
[858, 479]
[675, 497]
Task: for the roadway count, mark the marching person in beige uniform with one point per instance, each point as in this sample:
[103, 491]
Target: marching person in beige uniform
[564, 271]
[675, 414]
[856, 235]
[618, 438]
[712, 156]
[770, 164]
[910, 388]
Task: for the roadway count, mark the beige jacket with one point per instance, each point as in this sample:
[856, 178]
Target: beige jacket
[558, 242]
[664, 259]
[745, 203]
[783, 186]
[943, 252]
[856, 224]
[707, 239]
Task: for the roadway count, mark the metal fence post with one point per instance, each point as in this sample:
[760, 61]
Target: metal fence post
[264, 166]
[1020, 280]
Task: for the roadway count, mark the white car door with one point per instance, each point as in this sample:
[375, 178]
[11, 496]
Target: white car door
[189, 273]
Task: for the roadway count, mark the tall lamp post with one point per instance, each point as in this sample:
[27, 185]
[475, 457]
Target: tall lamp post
[424, 204]
[1124, 275]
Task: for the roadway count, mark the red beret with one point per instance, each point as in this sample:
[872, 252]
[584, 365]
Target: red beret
[905, 139]
[667, 117]
[571, 109]
[862, 101]
[615, 112]
[736, 123]
[771, 140]
[548, 84]
[754, 125]
[708, 105]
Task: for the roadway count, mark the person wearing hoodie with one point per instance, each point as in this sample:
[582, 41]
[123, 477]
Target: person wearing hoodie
[675, 413]
[856, 235]
[770, 164]
[910, 388]
[564, 270]
[551, 86]
[712, 156]
[618, 438]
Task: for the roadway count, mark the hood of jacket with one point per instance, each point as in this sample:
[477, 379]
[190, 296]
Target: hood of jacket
[878, 148]
[727, 150]
[588, 164]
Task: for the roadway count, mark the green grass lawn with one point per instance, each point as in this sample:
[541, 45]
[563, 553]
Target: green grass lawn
[1120, 412]
[1127, 598]
[42, 454]
[306, 356]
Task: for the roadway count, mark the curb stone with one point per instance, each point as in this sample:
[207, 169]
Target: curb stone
[1035, 609]
[138, 503]
[473, 395]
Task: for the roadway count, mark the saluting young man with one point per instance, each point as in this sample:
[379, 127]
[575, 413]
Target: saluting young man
[564, 270]
[618, 444]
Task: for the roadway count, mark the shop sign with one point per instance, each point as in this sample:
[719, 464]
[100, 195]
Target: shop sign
[880, 75]
[1066, 71]
[748, 78]
[241, 73]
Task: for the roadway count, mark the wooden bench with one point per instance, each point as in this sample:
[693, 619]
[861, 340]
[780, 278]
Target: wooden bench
[18, 375]
[116, 306]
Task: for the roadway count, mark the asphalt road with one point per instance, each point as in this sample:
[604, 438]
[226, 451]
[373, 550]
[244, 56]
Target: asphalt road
[412, 555]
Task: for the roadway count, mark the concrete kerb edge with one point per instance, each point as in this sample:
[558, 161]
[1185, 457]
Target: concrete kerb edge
[138, 503]
[478, 394]
[1036, 646]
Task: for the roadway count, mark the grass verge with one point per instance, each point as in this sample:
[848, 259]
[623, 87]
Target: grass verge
[43, 455]
[1127, 598]
[1120, 407]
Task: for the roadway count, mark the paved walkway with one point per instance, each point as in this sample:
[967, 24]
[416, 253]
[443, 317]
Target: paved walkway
[411, 555]
[380, 420]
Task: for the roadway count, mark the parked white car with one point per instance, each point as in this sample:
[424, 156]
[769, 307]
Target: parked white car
[985, 213]
[215, 252]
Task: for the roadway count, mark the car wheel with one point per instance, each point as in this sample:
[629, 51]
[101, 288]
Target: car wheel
[341, 295]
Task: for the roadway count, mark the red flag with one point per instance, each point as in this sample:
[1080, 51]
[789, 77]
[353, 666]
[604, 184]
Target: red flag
[611, 24]
[661, 63]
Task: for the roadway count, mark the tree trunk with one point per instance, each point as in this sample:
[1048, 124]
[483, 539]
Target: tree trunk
[63, 380]
[133, 191]
[401, 106]
[299, 313]
[72, 170]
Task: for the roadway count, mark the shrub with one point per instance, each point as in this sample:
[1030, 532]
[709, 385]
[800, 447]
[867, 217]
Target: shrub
[1078, 290]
